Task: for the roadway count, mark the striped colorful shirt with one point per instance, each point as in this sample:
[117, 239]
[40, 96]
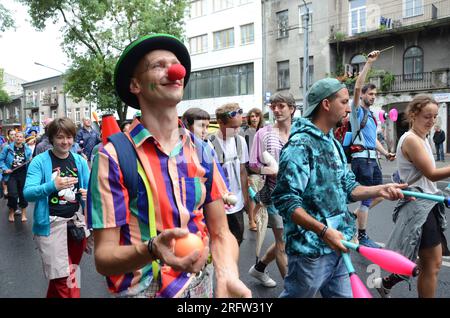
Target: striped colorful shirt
[175, 189]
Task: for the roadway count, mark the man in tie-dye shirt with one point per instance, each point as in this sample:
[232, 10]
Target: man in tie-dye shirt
[180, 189]
[313, 188]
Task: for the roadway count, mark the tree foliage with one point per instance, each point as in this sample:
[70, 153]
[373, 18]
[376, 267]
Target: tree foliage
[95, 32]
[4, 97]
[6, 21]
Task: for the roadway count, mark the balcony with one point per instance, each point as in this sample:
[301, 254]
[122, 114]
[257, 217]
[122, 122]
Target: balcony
[426, 81]
[31, 104]
[50, 99]
[394, 20]
[11, 121]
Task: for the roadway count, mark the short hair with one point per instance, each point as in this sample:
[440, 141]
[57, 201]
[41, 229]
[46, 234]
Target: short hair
[367, 87]
[287, 98]
[257, 112]
[224, 109]
[417, 104]
[63, 124]
[124, 123]
[193, 114]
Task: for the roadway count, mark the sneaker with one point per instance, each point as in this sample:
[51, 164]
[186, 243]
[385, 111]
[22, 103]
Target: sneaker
[264, 278]
[383, 291]
[366, 241]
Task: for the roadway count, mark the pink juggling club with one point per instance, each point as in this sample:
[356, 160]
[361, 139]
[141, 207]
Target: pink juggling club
[358, 288]
[388, 260]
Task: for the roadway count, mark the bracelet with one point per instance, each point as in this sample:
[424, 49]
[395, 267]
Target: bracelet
[322, 233]
[150, 246]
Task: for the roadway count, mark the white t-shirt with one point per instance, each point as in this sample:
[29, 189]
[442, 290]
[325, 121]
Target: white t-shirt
[232, 168]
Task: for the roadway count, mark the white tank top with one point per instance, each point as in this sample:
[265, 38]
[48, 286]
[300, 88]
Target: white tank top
[409, 173]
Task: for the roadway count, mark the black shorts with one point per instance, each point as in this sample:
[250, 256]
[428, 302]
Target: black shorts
[432, 234]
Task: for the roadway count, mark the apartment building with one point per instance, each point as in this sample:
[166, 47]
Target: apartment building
[10, 113]
[45, 98]
[416, 34]
[224, 40]
[284, 42]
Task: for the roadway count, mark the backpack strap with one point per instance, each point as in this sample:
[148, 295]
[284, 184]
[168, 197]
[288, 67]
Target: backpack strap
[127, 157]
[363, 123]
[238, 143]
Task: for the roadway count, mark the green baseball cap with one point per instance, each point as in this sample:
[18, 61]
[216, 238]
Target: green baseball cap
[319, 91]
[135, 51]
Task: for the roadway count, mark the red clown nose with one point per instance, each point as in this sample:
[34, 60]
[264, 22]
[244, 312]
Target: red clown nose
[176, 72]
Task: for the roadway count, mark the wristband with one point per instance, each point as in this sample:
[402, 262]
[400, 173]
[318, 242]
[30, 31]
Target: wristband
[150, 247]
[322, 233]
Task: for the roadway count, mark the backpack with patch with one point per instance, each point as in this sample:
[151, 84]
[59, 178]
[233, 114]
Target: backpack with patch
[341, 132]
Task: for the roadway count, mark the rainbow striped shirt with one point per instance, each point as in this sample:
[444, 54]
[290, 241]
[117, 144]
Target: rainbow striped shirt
[176, 188]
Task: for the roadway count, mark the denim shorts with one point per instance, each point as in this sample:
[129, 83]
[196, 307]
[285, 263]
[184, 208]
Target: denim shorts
[367, 173]
[307, 276]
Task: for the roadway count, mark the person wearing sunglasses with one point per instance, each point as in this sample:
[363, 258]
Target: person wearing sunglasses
[232, 154]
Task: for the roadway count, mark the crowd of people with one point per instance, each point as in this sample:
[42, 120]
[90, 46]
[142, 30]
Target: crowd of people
[129, 198]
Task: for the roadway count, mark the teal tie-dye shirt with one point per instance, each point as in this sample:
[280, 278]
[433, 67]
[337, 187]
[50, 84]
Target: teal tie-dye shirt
[313, 176]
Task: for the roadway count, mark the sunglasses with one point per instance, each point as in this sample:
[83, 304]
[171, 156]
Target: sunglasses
[234, 113]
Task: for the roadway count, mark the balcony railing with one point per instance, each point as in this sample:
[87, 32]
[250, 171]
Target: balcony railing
[30, 104]
[50, 99]
[414, 82]
[394, 17]
[411, 82]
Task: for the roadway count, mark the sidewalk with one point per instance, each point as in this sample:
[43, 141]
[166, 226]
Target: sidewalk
[388, 167]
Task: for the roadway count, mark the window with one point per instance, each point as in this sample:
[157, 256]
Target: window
[357, 63]
[302, 14]
[198, 44]
[413, 63]
[1, 114]
[311, 72]
[247, 34]
[357, 22]
[283, 24]
[7, 113]
[197, 8]
[412, 8]
[87, 113]
[69, 113]
[16, 112]
[54, 114]
[223, 39]
[222, 4]
[77, 115]
[220, 82]
[283, 74]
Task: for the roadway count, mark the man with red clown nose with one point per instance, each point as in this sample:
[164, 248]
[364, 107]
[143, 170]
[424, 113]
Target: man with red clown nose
[180, 189]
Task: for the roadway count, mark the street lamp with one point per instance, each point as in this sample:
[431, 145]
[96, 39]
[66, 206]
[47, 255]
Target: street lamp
[306, 55]
[62, 73]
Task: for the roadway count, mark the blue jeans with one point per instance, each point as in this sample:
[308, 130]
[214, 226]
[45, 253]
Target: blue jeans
[326, 274]
[439, 151]
[367, 173]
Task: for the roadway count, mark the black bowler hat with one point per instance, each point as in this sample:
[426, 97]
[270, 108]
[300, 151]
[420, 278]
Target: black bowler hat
[135, 51]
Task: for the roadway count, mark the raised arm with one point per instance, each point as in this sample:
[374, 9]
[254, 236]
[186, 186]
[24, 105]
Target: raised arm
[372, 57]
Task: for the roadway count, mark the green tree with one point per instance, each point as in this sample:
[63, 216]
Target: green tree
[95, 32]
[4, 97]
[6, 21]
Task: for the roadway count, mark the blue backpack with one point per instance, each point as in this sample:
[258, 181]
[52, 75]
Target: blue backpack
[127, 157]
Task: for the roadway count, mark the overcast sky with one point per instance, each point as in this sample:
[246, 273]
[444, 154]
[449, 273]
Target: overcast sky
[19, 49]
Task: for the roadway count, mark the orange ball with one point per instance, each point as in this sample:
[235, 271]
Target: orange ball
[188, 244]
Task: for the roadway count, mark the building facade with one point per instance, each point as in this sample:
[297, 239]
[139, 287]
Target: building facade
[284, 42]
[46, 98]
[224, 40]
[416, 36]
